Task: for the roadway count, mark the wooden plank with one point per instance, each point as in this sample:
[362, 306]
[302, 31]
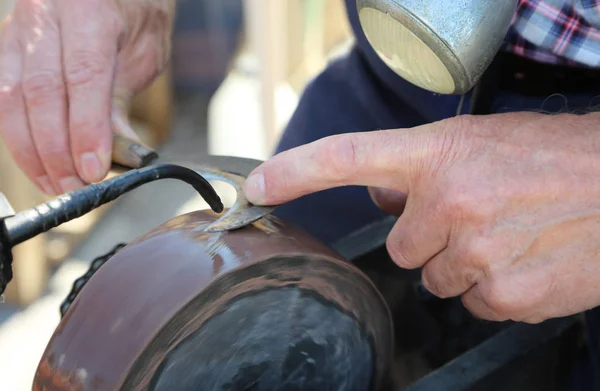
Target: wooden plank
[267, 34]
[336, 29]
[317, 28]
[154, 108]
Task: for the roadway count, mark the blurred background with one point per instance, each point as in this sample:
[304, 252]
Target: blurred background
[238, 69]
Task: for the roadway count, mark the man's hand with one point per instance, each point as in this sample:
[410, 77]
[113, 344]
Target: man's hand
[68, 71]
[502, 210]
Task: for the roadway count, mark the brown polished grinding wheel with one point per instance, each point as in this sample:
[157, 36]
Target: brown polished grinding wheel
[265, 307]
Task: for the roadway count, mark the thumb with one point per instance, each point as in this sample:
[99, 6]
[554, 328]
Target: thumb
[386, 159]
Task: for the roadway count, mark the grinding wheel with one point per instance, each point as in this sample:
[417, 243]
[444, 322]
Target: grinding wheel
[265, 307]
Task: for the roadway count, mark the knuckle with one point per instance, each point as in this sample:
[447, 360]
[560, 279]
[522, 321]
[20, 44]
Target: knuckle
[84, 67]
[57, 159]
[500, 300]
[432, 283]
[452, 202]
[458, 127]
[87, 133]
[114, 22]
[467, 203]
[52, 151]
[88, 127]
[462, 122]
[42, 86]
[449, 143]
[445, 149]
[470, 277]
[485, 254]
[398, 253]
[477, 253]
[10, 89]
[22, 155]
[340, 156]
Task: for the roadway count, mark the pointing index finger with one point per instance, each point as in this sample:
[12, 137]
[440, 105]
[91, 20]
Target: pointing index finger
[381, 159]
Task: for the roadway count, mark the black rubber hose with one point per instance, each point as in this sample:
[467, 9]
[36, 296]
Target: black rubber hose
[27, 224]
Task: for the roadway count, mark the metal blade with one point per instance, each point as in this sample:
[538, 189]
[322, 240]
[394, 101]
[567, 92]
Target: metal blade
[242, 212]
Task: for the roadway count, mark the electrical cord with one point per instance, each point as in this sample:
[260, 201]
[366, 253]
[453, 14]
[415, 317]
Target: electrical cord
[30, 223]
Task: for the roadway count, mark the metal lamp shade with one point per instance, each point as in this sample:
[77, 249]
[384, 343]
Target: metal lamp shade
[443, 46]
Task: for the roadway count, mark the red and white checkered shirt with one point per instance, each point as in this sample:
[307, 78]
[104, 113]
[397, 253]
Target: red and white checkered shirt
[557, 31]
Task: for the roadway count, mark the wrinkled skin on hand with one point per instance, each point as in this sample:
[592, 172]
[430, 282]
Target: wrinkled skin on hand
[503, 210]
[68, 71]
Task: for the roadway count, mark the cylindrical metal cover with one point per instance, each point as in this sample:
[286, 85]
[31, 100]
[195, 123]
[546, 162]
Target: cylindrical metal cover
[265, 307]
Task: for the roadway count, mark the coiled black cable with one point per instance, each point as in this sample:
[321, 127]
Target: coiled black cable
[30, 223]
[27, 224]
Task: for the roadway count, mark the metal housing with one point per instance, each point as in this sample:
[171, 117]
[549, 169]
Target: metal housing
[466, 35]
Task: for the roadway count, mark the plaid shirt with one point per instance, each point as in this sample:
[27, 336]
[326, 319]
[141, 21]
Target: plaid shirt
[565, 32]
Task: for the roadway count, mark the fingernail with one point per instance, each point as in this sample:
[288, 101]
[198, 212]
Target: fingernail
[91, 167]
[69, 184]
[255, 188]
[46, 185]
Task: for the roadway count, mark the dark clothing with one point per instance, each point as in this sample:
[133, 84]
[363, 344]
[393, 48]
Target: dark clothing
[359, 93]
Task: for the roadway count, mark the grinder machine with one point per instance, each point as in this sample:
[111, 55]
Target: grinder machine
[237, 299]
